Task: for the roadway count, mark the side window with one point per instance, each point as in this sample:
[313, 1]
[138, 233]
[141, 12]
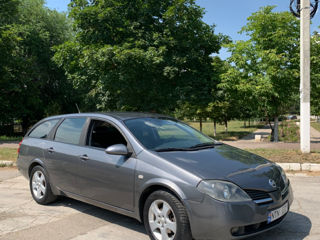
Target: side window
[43, 129]
[102, 135]
[70, 130]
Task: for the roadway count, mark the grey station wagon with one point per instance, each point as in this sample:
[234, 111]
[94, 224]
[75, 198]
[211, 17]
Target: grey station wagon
[180, 183]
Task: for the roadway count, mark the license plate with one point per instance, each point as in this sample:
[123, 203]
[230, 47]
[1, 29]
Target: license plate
[278, 213]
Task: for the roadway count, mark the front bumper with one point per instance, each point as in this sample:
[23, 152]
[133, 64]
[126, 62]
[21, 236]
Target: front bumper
[212, 219]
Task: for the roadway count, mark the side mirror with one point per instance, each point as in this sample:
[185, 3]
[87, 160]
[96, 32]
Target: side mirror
[117, 149]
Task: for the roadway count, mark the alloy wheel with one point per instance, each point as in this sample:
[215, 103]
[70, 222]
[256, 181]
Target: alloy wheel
[162, 220]
[39, 185]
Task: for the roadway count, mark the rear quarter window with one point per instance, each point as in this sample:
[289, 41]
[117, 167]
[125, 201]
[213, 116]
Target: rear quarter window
[42, 130]
[70, 130]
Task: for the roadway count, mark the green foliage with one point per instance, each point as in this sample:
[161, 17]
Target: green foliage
[31, 85]
[10, 138]
[223, 106]
[315, 74]
[289, 132]
[264, 72]
[8, 11]
[138, 55]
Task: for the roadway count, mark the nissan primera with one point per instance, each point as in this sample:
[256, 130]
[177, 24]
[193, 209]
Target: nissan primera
[180, 183]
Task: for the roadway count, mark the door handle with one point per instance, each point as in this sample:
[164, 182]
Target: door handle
[84, 157]
[51, 150]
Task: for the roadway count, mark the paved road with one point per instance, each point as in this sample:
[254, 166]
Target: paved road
[22, 218]
[9, 144]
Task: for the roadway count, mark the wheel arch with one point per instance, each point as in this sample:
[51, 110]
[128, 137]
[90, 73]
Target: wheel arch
[156, 185]
[34, 163]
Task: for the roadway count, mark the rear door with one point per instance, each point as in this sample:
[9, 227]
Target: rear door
[63, 155]
[107, 178]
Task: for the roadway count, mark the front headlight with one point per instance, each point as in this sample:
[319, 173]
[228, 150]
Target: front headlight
[223, 191]
[283, 175]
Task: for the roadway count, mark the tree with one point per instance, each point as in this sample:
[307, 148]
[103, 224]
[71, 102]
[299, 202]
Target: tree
[194, 102]
[266, 67]
[31, 85]
[9, 40]
[221, 107]
[315, 74]
[138, 55]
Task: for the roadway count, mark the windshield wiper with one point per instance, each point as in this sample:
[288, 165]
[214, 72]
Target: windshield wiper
[171, 149]
[192, 148]
[204, 145]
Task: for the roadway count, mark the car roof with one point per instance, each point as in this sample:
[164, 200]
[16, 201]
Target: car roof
[118, 115]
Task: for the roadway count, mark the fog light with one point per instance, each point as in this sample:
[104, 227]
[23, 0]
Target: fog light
[236, 231]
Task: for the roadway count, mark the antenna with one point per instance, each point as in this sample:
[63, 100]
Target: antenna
[78, 108]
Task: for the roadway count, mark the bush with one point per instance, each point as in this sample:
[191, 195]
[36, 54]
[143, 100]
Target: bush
[289, 132]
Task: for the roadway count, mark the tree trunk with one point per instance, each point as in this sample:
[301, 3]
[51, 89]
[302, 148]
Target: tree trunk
[25, 124]
[276, 129]
[244, 123]
[215, 128]
[226, 126]
[249, 122]
[200, 124]
[272, 130]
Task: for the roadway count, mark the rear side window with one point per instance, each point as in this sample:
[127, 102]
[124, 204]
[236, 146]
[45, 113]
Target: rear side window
[70, 130]
[43, 129]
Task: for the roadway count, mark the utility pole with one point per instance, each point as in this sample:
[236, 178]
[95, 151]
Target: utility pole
[305, 76]
[305, 10]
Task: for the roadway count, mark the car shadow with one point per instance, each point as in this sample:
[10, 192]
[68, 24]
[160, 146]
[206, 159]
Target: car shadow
[101, 213]
[294, 227]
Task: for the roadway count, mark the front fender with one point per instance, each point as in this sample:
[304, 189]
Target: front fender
[159, 183]
[166, 184]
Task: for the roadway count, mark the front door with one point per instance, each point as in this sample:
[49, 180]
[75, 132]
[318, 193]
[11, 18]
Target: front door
[106, 178]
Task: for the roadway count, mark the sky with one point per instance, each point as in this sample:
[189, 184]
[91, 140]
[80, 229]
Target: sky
[229, 16]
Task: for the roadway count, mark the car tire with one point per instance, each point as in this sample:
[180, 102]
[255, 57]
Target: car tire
[40, 186]
[165, 215]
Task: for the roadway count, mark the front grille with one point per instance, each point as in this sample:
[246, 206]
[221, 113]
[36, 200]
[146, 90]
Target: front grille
[259, 197]
[256, 194]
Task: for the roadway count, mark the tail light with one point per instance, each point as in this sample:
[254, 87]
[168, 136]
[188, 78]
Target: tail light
[19, 146]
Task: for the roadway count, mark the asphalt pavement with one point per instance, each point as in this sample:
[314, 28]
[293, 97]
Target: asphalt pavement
[22, 218]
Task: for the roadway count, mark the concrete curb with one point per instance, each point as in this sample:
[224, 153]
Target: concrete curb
[311, 167]
[7, 164]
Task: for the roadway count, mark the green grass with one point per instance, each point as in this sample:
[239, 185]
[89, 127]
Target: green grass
[10, 138]
[316, 125]
[287, 156]
[9, 154]
[236, 130]
[289, 132]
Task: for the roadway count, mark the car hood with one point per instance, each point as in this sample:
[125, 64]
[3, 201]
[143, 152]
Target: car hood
[224, 162]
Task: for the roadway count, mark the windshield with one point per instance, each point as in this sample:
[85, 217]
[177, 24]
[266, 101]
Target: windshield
[161, 134]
